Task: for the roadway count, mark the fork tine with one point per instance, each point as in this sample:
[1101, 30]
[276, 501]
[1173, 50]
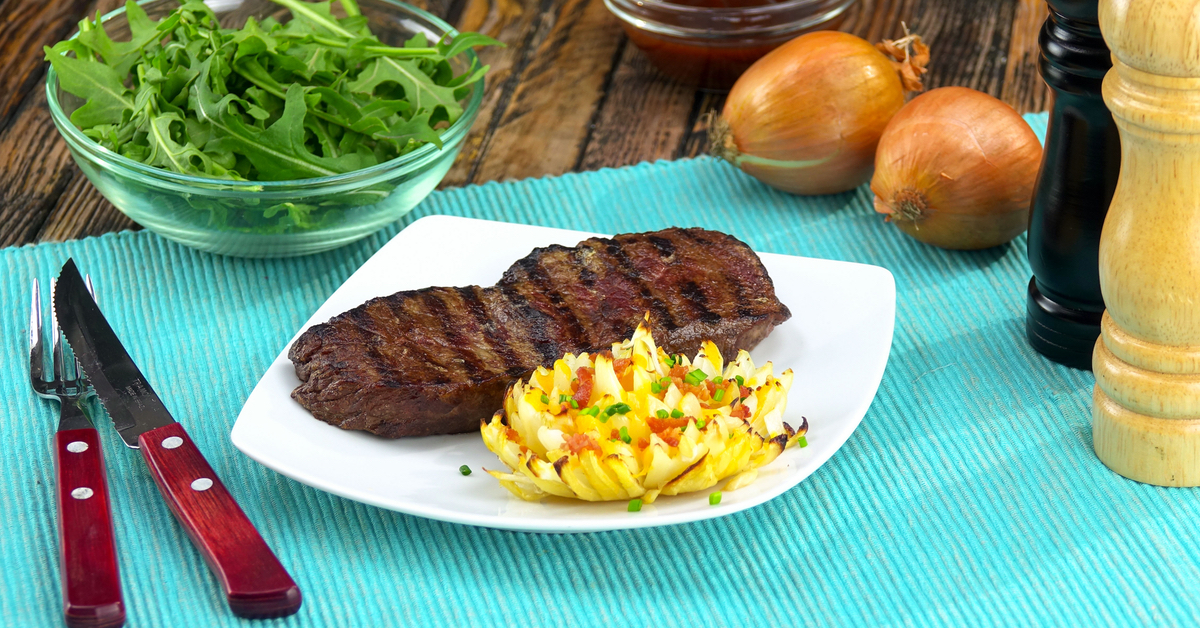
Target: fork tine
[60, 361]
[37, 358]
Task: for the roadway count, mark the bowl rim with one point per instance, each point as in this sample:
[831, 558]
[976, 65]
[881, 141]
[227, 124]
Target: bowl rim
[408, 161]
[645, 14]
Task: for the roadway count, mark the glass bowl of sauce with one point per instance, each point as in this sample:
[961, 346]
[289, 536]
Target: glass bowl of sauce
[709, 43]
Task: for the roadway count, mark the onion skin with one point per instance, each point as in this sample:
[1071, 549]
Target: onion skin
[806, 118]
[956, 169]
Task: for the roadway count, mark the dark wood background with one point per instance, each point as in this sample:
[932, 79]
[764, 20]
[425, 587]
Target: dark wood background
[568, 93]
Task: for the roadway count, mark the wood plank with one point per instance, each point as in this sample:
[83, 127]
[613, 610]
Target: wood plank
[644, 115]
[542, 128]
[35, 167]
[26, 26]
[516, 23]
[968, 41]
[80, 211]
[876, 20]
[1024, 88]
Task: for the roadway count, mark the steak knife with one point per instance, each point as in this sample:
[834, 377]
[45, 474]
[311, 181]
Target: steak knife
[254, 582]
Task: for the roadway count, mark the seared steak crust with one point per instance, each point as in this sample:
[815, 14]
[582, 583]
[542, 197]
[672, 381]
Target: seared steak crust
[437, 360]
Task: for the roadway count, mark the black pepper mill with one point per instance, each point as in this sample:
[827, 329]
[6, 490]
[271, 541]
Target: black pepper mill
[1074, 187]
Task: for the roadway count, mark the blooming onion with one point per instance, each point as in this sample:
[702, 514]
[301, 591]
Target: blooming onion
[637, 422]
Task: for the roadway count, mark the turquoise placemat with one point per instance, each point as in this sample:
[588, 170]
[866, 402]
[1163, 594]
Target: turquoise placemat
[969, 495]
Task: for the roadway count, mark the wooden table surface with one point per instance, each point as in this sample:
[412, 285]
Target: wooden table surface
[569, 93]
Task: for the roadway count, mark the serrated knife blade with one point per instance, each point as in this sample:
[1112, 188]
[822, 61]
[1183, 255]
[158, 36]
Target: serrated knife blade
[131, 402]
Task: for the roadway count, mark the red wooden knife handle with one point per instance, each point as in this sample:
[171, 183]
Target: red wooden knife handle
[255, 584]
[87, 554]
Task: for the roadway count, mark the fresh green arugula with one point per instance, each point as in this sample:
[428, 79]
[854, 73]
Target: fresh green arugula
[313, 96]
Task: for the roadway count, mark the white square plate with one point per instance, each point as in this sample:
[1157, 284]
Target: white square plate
[837, 342]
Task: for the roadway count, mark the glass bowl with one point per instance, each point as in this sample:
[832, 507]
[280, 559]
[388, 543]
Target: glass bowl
[710, 43]
[270, 218]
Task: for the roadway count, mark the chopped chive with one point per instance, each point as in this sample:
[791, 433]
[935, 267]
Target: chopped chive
[714, 498]
[718, 379]
[655, 387]
[802, 441]
[545, 400]
[677, 413]
[603, 417]
[574, 404]
[563, 398]
[465, 470]
[662, 414]
[635, 505]
[740, 380]
[670, 360]
[625, 435]
[700, 423]
[618, 408]
[695, 377]
[718, 394]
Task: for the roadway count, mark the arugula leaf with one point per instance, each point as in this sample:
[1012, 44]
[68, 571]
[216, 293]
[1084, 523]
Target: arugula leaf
[165, 151]
[120, 55]
[419, 88]
[107, 98]
[462, 42]
[278, 153]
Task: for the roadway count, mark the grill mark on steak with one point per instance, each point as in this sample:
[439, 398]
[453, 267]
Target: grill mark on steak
[540, 286]
[495, 336]
[535, 322]
[454, 329]
[695, 296]
[407, 315]
[740, 289]
[438, 360]
[664, 246]
[659, 310]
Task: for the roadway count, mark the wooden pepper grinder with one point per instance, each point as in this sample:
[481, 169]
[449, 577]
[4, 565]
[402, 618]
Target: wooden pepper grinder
[1074, 187]
[1146, 416]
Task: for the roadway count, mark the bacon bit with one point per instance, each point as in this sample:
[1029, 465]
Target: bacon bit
[658, 426]
[620, 364]
[743, 392]
[740, 411]
[615, 435]
[679, 371]
[671, 436]
[524, 449]
[578, 442]
[711, 386]
[512, 434]
[583, 393]
[699, 390]
[643, 443]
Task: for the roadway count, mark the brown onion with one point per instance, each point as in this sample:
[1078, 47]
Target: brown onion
[807, 116]
[956, 168]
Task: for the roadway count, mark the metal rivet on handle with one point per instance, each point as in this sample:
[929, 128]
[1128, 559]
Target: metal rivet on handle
[82, 492]
[201, 484]
[171, 442]
[77, 447]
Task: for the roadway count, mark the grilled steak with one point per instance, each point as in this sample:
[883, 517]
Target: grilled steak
[437, 360]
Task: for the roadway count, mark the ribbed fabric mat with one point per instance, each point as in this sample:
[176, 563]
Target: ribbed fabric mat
[970, 494]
